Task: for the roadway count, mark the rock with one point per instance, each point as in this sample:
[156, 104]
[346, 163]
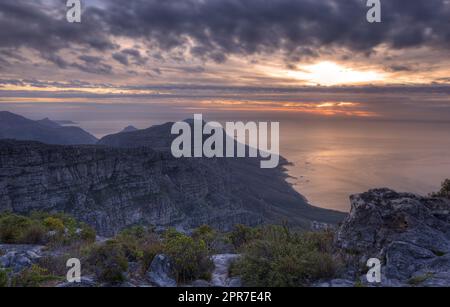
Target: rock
[335, 283]
[200, 284]
[20, 256]
[160, 272]
[410, 234]
[234, 282]
[219, 276]
[86, 282]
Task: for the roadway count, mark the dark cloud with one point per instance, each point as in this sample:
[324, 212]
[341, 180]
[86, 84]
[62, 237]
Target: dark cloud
[93, 65]
[43, 28]
[222, 27]
[124, 56]
[216, 29]
[193, 70]
[121, 58]
[399, 68]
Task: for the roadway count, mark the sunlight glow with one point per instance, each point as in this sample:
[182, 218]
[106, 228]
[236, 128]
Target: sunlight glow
[330, 73]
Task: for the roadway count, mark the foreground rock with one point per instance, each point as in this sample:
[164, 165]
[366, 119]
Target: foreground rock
[410, 234]
[160, 272]
[19, 257]
[220, 275]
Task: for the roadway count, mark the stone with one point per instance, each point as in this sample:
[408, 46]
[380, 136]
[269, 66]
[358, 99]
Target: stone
[409, 233]
[160, 272]
[86, 282]
[200, 283]
[220, 274]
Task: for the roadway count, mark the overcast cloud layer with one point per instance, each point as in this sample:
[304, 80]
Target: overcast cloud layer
[227, 55]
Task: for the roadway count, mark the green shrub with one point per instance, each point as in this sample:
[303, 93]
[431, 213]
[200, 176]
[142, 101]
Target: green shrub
[444, 191]
[88, 233]
[242, 234]
[136, 241]
[33, 234]
[15, 229]
[108, 261]
[3, 278]
[190, 257]
[207, 234]
[54, 223]
[285, 259]
[34, 276]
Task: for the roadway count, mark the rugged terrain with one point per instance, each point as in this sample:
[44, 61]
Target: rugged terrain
[112, 188]
[410, 234]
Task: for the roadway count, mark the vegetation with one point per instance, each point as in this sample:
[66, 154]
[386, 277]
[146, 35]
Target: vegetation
[271, 255]
[190, 256]
[3, 278]
[34, 276]
[278, 257]
[417, 280]
[444, 191]
[43, 228]
[108, 261]
[242, 235]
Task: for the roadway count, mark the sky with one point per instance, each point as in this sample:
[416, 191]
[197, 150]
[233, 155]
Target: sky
[295, 58]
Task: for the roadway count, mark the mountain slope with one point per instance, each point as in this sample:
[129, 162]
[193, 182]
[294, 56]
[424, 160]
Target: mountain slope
[13, 126]
[112, 188]
[256, 183]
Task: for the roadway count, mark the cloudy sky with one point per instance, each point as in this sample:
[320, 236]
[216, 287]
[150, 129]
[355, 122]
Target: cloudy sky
[313, 57]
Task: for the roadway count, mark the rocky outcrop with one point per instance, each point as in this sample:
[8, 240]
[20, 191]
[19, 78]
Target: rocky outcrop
[160, 272]
[410, 234]
[112, 188]
[19, 257]
[220, 275]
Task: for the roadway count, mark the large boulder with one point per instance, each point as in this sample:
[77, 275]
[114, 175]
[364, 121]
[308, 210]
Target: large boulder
[410, 234]
[220, 276]
[161, 272]
[19, 257]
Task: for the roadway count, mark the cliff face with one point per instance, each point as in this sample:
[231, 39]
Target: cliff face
[410, 235]
[111, 188]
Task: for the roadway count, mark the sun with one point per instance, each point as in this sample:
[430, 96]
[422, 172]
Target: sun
[330, 73]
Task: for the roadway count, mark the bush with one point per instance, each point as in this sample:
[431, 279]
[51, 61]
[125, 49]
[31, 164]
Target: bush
[285, 259]
[445, 190]
[53, 223]
[3, 278]
[33, 234]
[242, 235]
[108, 261]
[34, 276]
[15, 229]
[138, 242]
[207, 234]
[190, 257]
[88, 234]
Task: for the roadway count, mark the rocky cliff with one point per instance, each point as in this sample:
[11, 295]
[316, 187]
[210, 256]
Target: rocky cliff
[410, 234]
[111, 188]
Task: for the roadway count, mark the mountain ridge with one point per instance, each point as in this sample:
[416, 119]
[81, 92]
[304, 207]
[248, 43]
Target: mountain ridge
[14, 126]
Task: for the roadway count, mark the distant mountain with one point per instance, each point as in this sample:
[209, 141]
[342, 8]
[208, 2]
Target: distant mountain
[13, 126]
[154, 137]
[129, 129]
[65, 122]
[48, 123]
